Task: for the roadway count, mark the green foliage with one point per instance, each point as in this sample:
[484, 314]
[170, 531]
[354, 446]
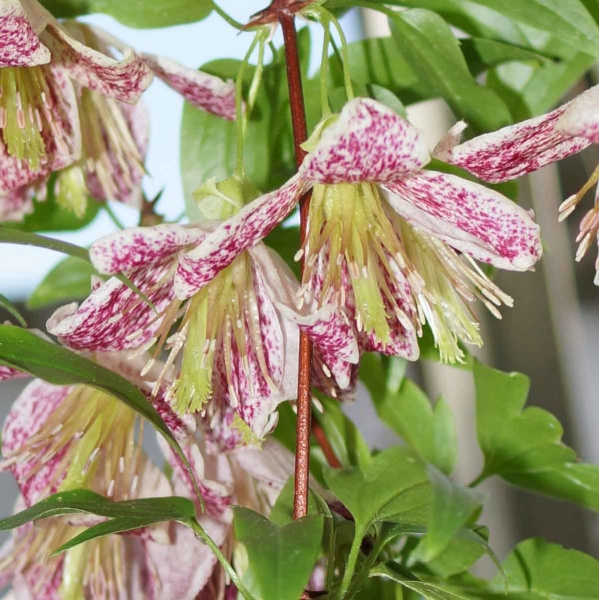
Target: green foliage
[403, 406]
[523, 445]
[135, 13]
[280, 559]
[122, 516]
[70, 279]
[433, 52]
[12, 310]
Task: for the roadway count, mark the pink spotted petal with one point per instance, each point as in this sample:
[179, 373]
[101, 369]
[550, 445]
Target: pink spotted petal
[127, 170]
[8, 373]
[204, 91]
[469, 217]
[20, 25]
[29, 412]
[514, 150]
[242, 231]
[15, 205]
[182, 568]
[368, 142]
[114, 317]
[123, 80]
[129, 249]
[581, 117]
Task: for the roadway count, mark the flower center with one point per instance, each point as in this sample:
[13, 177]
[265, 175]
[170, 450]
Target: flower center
[450, 283]
[350, 231]
[25, 111]
[222, 322]
[92, 438]
[110, 153]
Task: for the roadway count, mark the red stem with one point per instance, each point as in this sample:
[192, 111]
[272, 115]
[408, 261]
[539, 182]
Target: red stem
[300, 134]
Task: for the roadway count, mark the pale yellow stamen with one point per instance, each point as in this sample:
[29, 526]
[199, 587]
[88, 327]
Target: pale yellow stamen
[349, 222]
[109, 150]
[221, 317]
[26, 111]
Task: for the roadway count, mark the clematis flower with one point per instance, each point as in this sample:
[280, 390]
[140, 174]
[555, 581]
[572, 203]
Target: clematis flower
[389, 244]
[239, 351]
[66, 103]
[529, 145]
[61, 438]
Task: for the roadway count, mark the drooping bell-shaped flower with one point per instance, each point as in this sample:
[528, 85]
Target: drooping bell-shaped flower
[529, 145]
[237, 348]
[63, 438]
[389, 244]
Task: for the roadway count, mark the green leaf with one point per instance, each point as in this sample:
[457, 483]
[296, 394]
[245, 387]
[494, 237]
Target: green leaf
[135, 13]
[279, 559]
[537, 569]
[393, 486]
[461, 554]
[70, 279]
[23, 238]
[346, 440]
[482, 54]
[25, 351]
[282, 511]
[523, 445]
[433, 52]
[9, 307]
[454, 506]
[151, 510]
[394, 572]
[400, 403]
[567, 20]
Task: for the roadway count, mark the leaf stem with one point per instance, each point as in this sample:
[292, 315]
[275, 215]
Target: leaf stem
[230, 20]
[324, 66]
[349, 89]
[352, 560]
[204, 537]
[300, 134]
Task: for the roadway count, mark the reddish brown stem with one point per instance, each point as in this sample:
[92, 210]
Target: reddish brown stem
[325, 445]
[300, 133]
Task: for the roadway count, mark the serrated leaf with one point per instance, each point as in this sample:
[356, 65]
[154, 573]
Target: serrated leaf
[523, 445]
[280, 559]
[25, 351]
[400, 403]
[433, 52]
[70, 279]
[135, 13]
[567, 20]
[10, 308]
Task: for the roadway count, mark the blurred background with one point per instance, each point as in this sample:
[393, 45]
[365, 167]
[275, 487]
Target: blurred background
[551, 334]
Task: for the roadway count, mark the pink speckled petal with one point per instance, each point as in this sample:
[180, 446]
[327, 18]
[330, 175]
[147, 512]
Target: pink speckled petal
[511, 151]
[17, 204]
[20, 24]
[136, 247]
[204, 91]
[469, 217]
[182, 568]
[8, 373]
[114, 317]
[581, 117]
[242, 231]
[272, 464]
[123, 80]
[29, 412]
[368, 142]
[128, 170]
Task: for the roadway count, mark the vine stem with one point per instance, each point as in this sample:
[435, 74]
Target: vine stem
[300, 134]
